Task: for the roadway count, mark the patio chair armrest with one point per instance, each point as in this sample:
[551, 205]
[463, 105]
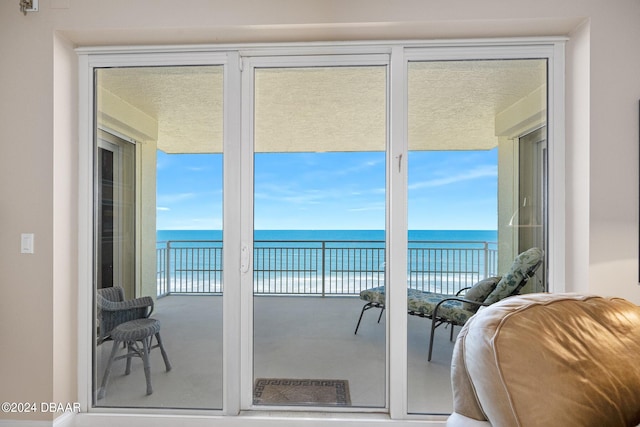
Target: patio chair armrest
[136, 303]
[462, 290]
[454, 298]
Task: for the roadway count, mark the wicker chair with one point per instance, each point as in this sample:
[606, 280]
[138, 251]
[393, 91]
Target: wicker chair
[114, 310]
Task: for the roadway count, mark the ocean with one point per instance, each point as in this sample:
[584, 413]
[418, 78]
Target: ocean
[371, 235]
[326, 262]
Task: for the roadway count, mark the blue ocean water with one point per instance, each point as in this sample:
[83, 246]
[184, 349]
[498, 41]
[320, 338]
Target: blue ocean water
[370, 235]
[338, 262]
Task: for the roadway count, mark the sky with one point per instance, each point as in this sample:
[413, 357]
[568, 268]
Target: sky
[448, 190]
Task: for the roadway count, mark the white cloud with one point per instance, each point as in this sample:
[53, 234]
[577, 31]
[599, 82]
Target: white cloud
[486, 171]
[166, 199]
[371, 207]
[357, 168]
[287, 194]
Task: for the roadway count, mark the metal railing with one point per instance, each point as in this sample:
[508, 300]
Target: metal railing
[323, 267]
[444, 267]
[189, 266]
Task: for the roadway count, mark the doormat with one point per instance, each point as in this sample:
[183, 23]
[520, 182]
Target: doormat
[286, 391]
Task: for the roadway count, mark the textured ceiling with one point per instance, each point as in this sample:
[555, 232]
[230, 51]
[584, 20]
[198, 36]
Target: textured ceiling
[320, 109]
[452, 105]
[186, 102]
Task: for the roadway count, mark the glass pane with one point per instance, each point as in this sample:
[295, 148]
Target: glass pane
[320, 139]
[159, 237]
[466, 184]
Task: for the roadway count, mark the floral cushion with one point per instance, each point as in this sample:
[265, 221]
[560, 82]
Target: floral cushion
[479, 292]
[424, 303]
[457, 312]
[521, 267]
[374, 295]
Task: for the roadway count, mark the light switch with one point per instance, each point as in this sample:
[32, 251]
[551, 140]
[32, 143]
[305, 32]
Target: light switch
[26, 243]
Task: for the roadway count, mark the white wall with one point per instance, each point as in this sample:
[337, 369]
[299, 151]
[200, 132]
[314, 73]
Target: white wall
[578, 154]
[38, 120]
[146, 211]
[613, 162]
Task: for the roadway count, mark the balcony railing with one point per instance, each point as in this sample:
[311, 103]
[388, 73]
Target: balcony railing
[327, 267]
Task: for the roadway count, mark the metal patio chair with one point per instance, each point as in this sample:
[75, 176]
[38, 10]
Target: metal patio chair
[456, 309]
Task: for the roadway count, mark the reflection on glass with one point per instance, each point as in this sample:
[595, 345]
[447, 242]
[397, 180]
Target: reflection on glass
[465, 182]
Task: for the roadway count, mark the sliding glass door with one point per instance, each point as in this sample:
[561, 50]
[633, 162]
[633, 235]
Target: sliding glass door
[282, 206]
[116, 211]
[319, 140]
[159, 236]
[476, 196]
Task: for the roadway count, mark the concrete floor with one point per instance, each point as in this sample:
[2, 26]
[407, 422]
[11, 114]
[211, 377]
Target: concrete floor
[294, 337]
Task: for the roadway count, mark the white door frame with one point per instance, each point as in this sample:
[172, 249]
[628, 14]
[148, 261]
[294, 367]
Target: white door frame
[249, 65]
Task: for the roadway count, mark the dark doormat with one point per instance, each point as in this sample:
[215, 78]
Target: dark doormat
[287, 391]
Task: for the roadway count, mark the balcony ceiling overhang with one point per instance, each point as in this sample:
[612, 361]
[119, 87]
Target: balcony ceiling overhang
[453, 105]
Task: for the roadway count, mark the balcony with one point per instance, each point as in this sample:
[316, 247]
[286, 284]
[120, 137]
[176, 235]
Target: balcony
[305, 311]
[323, 267]
[192, 335]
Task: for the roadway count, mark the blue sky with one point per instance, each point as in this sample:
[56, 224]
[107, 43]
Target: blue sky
[447, 191]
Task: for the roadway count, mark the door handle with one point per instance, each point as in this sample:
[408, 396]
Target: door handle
[245, 259]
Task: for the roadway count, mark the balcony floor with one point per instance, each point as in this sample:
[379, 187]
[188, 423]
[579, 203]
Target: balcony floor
[295, 337]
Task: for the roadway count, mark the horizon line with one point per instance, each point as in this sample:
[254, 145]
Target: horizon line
[329, 229]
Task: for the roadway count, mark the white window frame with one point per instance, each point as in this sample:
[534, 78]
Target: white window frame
[400, 53]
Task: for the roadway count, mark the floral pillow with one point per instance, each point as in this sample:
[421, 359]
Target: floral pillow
[479, 292]
[524, 264]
